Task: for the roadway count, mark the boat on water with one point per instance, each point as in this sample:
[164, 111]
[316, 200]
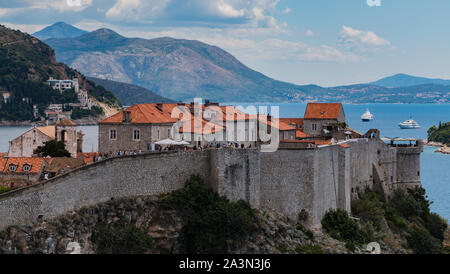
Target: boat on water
[409, 124]
[367, 116]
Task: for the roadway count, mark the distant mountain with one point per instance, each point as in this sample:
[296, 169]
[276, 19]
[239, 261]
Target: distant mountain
[59, 30]
[405, 80]
[26, 64]
[181, 69]
[130, 94]
[173, 68]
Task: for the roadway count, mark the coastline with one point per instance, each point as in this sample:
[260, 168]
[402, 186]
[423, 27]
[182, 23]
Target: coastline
[444, 149]
[80, 122]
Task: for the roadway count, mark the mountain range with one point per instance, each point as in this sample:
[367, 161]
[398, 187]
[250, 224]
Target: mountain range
[181, 69]
[59, 30]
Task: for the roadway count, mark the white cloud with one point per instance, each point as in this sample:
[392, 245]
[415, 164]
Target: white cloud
[361, 40]
[309, 32]
[257, 13]
[286, 10]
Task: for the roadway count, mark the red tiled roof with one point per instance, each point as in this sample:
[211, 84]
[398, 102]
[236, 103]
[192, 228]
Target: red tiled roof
[145, 114]
[300, 134]
[35, 162]
[295, 122]
[322, 110]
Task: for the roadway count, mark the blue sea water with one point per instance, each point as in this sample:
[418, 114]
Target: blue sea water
[435, 167]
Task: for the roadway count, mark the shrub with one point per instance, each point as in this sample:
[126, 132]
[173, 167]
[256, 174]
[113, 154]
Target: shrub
[436, 226]
[422, 242]
[369, 207]
[307, 232]
[341, 227]
[121, 239]
[4, 189]
[282, 247]
[211, 223]
[308, 249]
[52, 148]
[410, 203]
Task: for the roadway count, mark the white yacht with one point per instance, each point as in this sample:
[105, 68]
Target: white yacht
[409, 124]
[367, 116]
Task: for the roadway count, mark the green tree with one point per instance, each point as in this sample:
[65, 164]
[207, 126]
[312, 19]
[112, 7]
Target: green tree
[52, 148]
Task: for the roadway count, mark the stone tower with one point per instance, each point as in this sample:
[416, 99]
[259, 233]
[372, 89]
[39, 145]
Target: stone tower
[66, 130]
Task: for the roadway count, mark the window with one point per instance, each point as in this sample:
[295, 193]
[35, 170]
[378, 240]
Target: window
[285, 135]
[314, 127]
[113, 134]
[26, 167]
[12, 168]
[168, 133]
[136, 134]
[158, 134]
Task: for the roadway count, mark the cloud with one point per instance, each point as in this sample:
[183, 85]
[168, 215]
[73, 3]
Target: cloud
[360, 40]
[286, 10]
[309, 32]
[59, 5]
[257, 13]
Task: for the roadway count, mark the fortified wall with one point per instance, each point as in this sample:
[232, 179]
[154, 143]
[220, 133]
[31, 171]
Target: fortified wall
[300, 183]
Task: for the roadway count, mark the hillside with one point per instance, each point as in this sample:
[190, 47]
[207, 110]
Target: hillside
[25, 64]
[173, 68]
[440, 133]
[405, 80]
[130, 94]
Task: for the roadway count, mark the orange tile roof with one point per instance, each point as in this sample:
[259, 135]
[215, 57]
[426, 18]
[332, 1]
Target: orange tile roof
[48, 130]
[35, 162]
[300, 134]
[145, 114]
[296, 122]
[3, 162]
[322, 110]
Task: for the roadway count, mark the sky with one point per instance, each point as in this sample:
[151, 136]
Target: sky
[326, 42]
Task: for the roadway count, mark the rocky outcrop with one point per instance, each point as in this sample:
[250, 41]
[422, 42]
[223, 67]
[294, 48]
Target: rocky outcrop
[275, 234]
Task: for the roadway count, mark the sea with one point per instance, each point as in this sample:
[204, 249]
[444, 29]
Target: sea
[435, 167]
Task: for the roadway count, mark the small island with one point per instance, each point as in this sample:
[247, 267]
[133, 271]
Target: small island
[440, 136]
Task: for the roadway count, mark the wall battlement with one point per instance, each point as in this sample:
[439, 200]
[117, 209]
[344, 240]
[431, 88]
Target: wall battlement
[300, 183]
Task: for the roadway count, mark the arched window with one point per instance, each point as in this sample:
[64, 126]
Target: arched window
[26, 168]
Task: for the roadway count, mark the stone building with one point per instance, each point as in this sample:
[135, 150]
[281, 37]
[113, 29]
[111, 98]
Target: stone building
[17, 172]
[321, 118]
[140, 126]
[64, 130]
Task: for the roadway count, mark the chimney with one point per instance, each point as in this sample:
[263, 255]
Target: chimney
[126, 116]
